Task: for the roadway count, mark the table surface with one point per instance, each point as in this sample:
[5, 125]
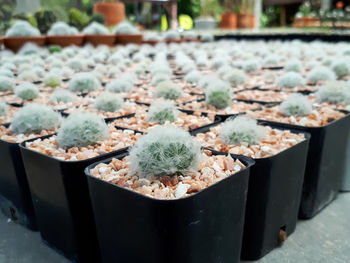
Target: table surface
[323, 239]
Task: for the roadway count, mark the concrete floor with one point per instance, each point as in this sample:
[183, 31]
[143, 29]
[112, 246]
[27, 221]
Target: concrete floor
[324, 239]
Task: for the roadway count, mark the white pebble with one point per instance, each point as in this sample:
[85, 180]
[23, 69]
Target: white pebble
[181, 189]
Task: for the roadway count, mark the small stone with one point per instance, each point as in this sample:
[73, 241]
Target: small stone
[181, 190]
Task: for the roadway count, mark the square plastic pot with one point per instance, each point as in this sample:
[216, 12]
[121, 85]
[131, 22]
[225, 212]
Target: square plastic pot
[325, 166]
[273, 200]
[346, 180]
[15, 199]
[62, 203]
[204, 227]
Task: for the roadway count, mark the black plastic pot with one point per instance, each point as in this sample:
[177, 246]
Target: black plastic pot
[62, 203]
[15, 199]
[325, 165]
[205, 227]
[273, 200]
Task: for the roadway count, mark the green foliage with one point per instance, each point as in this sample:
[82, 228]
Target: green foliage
[165, 150]
[78, 19]
[188, 7]
[54, 49]
[210, 8]
[99, 18]
[44, 18]
[82, 129]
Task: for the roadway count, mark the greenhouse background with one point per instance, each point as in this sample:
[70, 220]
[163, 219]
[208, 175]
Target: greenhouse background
[167, 131]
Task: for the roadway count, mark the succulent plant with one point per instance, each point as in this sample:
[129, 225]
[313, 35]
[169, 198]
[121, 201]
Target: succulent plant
[251, 65]
[168, 90]
[84, 82]
[22, 28]
[235, 77]
[218, 96]
[334, 92]
[165, 150]
[54, 49]
[52, 80]
[34, 118]
[82, 129]
[193, 76]
[171, 35]
[294, 66]
[61, 95]
[28, 75]
[206, 37]
[62, 29]
[125, 28]
[162, 111]
[109, 102]
[290, 80]
[241, 130]
[4, 108]
[26, 91]
[296, 105]
[6, 83]
[120, 85]
[271, 60]
[76, 64]
[6, 73]
[95, 28]
[320, 74]
[341, 68]
[158, 78]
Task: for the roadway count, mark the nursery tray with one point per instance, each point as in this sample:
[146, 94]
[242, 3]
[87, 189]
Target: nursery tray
[96, 40]
[273, 200]
[65, 41]
[15, 43]
[62, 203]
[325, 164]
[15, 198]
[124, 39]
[204, 227]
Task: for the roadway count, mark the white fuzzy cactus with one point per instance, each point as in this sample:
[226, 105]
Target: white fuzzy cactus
[242, 130]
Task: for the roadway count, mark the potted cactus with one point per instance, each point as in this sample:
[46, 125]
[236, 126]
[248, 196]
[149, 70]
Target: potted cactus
[112, 10]
[326, 156]
[64, 35]
[266, 223]
[32, 121]
[158, 177]
[20, 33]
[229, 17]
[97, 34]
[209, 9]
[246, 17]
[64, 217]
[126, 33]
